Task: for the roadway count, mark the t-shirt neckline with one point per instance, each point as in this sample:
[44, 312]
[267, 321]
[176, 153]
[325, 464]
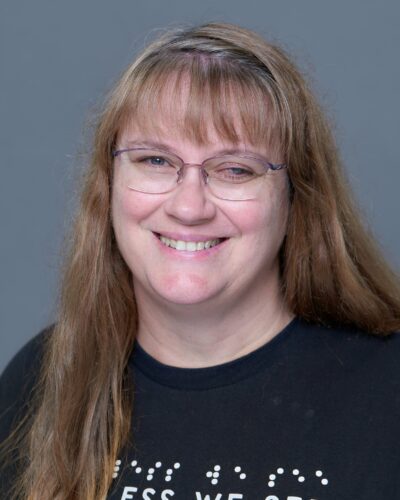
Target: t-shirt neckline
[212, 376]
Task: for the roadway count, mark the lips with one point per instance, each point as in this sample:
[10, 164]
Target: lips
[189, 246]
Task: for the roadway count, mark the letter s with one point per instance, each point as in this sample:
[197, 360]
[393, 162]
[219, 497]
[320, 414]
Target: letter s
[147, 492]
[166, 494]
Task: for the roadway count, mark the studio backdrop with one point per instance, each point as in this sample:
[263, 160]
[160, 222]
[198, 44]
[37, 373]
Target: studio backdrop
[58, 59]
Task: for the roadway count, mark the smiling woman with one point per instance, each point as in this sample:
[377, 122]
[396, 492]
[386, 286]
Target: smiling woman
[224, 315]
[240, 238]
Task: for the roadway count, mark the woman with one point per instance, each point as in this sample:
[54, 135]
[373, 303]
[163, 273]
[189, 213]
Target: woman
[224, 324]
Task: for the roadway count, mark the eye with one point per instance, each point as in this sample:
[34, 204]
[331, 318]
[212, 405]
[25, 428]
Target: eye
[153, 162]
[233, 172]
[156, 161]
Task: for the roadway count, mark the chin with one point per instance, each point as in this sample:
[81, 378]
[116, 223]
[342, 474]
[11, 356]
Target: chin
[181, 300]
[184, 290]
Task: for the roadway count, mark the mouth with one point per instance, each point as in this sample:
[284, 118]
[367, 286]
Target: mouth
[189, 246]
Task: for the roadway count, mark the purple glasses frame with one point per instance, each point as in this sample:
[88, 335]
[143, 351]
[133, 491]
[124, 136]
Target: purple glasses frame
[268, 165]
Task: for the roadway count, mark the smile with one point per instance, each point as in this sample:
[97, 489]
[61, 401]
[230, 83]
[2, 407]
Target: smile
[189, 246]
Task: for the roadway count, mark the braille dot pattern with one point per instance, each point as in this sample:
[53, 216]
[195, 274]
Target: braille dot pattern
[214, 474]
[319, 474]
[150, 473]
[152, 470]
[272, 477]
[116, 468]
[170, 471]
[271, 482]
[238, 470]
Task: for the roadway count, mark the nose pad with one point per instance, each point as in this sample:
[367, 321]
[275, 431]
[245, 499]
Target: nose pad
[181, 173]
[204, 175]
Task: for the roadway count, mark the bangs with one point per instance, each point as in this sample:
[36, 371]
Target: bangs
[194, 95]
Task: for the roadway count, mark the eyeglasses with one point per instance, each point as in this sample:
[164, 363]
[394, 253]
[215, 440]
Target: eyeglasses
[230, 177]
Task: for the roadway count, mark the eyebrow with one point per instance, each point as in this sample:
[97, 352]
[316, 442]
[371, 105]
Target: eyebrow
[168, 149]
[151, 144]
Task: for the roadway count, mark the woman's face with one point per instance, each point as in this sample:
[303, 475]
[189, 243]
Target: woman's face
[251, 232]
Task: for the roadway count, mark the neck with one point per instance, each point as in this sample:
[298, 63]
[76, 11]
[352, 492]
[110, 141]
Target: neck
[207, 334]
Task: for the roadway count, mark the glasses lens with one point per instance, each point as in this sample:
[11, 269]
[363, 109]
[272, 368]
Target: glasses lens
[149, 171]
[235, 177]
[229, 177]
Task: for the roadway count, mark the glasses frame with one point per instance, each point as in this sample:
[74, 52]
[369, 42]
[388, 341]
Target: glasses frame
[183, 165]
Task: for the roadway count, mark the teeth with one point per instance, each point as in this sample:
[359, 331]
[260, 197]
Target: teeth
[190, 246]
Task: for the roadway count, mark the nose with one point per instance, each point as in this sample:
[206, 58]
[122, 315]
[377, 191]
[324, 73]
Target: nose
[189, 202]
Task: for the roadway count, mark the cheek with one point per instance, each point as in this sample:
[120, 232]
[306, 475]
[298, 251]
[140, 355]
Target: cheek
[129, 208]
[128, 214]
[263, 220]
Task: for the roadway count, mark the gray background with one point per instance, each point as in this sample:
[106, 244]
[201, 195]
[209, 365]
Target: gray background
[58, 59]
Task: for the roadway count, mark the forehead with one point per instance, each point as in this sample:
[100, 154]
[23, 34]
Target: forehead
[174, 139]
[202, 111]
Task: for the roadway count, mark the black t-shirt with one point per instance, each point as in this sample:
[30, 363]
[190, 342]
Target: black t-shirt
[314, 414]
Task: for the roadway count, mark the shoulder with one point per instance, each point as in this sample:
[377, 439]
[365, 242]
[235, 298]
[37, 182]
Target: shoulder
[19, 380]
[26, 362]
[353, 350]
[343, 334]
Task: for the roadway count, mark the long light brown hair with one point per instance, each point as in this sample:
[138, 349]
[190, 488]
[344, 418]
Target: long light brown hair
[331, 270]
